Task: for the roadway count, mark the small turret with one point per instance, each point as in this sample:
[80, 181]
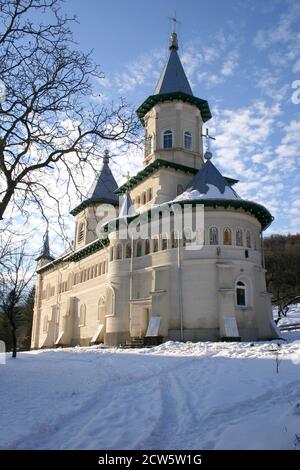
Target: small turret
[45, 256]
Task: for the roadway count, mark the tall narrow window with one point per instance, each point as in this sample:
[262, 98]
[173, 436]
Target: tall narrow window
[149, 194]
[168, 140]
[80, 235]
[187, 140]
[111, 254]
[128, 250]
[82, 315]
[179, 189]
[118, 249]
[174, 240]
[248, 239]
[147, 246]
[155, 245]
[139, 248]
[101, 309]
[144, 197]
[240, 294]
[227, 236]
[164, 242]
[239, 237]
[213, 236]
[148, 145]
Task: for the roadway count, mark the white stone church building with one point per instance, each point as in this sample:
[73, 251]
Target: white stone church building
[130, 290]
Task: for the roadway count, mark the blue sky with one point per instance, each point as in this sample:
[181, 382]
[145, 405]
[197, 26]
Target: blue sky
[242, 56]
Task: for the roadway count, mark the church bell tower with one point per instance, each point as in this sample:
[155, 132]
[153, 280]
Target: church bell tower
[173, 117]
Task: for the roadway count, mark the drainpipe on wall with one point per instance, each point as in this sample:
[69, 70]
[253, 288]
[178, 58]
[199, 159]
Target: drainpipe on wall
[262, 250]
[131, 271]
[180, 289]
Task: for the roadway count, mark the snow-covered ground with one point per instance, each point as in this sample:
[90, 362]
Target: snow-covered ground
[173, 396]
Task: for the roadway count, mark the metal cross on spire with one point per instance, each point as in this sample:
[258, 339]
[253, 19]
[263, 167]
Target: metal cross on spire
[127, 176]
[208, 138]
[175, 22]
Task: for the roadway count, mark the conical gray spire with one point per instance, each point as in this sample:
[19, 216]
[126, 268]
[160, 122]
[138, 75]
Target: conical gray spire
[173, 78]
[102, 190]
[104, 187]
[208, 183]
[45, 252]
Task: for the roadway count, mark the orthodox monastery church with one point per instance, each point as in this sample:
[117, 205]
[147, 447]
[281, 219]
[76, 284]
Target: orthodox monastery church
[144, 290]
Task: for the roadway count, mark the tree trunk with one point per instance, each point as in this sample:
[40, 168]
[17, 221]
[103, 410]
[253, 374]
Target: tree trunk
[14, 337]
[6, 199]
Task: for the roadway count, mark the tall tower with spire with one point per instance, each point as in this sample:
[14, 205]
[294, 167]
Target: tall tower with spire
[173, 117]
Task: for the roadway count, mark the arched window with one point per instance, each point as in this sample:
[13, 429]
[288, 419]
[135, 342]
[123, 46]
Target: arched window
[174, 240]
[138, 200]
[168, 140]
[241, 298]
[179, 189]
[187, 140]
[149, 194]
[148, 145]
[248, 239]
[164, 242]
[144, 197]
[101, 309]
[128, 250]
[82, 315]
[147, 247]
[239, 237]
[80, 233]
[118, 249]
[155, 245]
[227, 236]
[213, 236]
[138, 249]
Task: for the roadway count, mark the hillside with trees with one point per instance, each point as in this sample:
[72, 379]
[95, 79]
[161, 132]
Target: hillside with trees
[282, 256]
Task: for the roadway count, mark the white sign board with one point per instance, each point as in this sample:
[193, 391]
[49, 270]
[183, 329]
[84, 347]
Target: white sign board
[231, 329]
[153, 326]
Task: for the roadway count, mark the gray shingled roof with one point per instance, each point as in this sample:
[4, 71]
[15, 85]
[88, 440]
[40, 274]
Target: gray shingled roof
[208, 183]
[45, 252]
[102, 190]
[104, 186]
[173, 78]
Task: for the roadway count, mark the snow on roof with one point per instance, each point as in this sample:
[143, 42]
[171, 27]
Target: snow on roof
[208, 183]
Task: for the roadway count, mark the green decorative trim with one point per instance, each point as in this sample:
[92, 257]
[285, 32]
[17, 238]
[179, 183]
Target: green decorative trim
[89, 202]
[151, 101]
[257, 210]
[154, 166]
[97, 245]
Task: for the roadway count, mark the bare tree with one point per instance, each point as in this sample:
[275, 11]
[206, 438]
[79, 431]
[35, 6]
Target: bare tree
[51, 125]
[15, 283]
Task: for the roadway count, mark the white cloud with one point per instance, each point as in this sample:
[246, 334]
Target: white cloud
[230, 63]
